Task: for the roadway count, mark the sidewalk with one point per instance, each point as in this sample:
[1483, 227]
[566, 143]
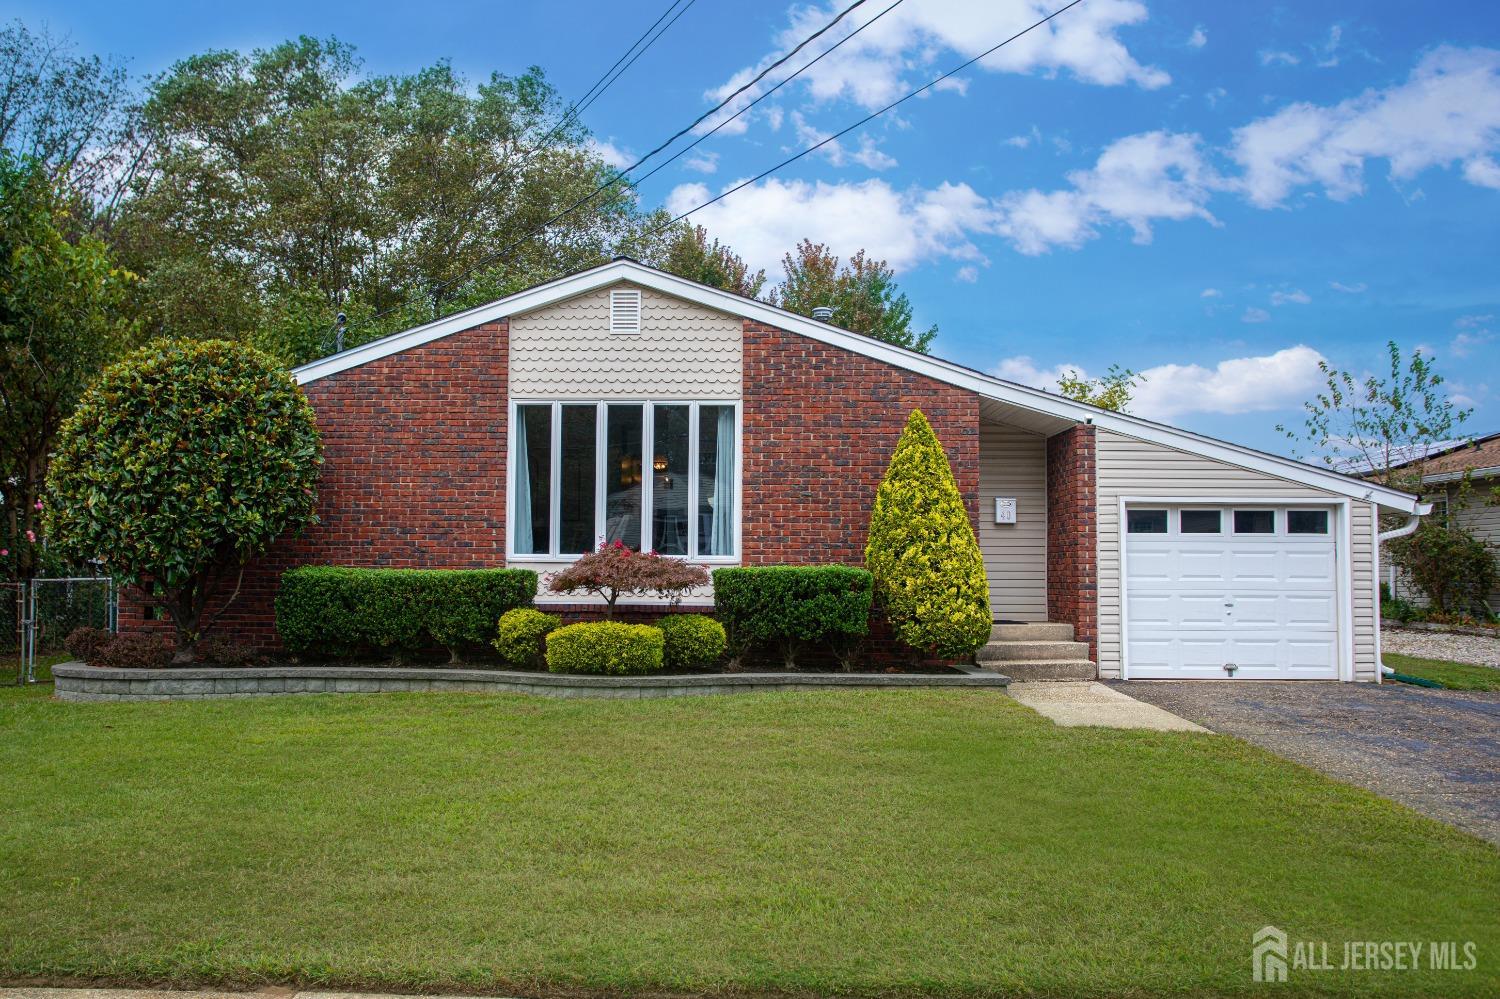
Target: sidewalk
[1089, 703]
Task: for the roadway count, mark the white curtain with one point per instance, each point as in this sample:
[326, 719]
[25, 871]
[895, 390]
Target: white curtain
[722, 538]
[525, 545]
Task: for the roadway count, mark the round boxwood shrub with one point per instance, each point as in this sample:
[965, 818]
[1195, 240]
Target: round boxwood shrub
[929, 573]
[522, 639]
[182, 462]
[605, 647]
[691, 641]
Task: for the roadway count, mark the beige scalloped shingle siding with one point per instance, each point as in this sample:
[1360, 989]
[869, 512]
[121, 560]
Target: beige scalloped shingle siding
[683, 351]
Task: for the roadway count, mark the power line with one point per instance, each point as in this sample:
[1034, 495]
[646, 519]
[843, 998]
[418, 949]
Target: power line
[865, 120]
[663, 31]
[621, 174]
[578, 106]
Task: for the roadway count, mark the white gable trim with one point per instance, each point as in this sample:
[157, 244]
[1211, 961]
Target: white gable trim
[946, 371]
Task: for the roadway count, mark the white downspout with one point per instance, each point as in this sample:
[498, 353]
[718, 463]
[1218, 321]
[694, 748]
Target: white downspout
[1412, 521]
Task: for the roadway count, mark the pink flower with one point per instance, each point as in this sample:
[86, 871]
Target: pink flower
[4, 552]
[31, 536]
[38, 504]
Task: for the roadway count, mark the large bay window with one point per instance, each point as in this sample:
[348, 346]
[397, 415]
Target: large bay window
[655, 476]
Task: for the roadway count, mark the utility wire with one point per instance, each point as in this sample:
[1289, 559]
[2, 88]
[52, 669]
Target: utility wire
[865, 120]
[620, 175]
[663, 31]
[765, 173]
[579, 106]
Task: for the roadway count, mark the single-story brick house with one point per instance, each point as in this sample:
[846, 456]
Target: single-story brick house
[517, 433]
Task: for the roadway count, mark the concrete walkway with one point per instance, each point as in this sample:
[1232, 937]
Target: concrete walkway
[1089, 703]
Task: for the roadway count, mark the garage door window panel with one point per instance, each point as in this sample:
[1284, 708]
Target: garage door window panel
[1307, 521]
[1146, 521]
[1255, 522]
[1200, 521]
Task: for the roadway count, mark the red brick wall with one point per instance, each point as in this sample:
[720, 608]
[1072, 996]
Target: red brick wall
[820, 424]
[413, 473]
[1072, 543]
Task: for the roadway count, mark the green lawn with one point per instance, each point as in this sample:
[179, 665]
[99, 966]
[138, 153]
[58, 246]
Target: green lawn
[1455, 676]
[857, 842]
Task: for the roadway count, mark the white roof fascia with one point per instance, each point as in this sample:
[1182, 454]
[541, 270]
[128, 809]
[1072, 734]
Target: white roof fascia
[946, 371]
[1476, 473]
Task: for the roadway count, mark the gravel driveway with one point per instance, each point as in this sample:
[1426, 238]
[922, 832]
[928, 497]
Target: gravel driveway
[1437, 751]
[1477, 649]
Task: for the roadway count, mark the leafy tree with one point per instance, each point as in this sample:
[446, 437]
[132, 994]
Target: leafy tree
[1386, 428]
[1112, 391]
[689, 252]
[292, 188]
[862, 293]
[72, 115]
[182, 462]
[64, 313]
[929, 573]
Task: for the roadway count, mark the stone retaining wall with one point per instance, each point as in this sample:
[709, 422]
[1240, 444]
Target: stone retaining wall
[77, 682]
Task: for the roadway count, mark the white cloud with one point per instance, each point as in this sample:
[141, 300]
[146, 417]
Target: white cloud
[1254, 315]
[1294, 297]
[1136, 181]
[1198, 38]
[702, 162]
[1348, 289]
[1237, 385]
[1328, 56]
[1210, 293]
[1447, 111]
[1473, 322]
[968, 274]
[912, 42]
[868, 155]
[1466, 342]
[1270, 57]
[765, 220]
[611, 154]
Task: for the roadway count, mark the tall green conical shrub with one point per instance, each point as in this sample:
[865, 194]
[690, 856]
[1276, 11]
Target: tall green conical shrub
[929, 574]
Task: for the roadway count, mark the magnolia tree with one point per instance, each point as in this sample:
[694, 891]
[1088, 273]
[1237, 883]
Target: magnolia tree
[614, 571]
[183, 461]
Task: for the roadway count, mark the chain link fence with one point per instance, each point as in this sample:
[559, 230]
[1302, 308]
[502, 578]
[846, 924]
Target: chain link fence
[50, 608]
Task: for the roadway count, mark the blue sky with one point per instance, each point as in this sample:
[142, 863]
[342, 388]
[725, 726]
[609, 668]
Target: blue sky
[1218, 194]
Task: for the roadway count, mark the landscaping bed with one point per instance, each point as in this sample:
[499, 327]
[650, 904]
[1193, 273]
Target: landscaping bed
[859, 843]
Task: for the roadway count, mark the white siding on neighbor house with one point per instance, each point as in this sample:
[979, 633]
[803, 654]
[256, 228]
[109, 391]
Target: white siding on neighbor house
[683, 351]
[1130, 467]
[1013, 463]
[1477, 515]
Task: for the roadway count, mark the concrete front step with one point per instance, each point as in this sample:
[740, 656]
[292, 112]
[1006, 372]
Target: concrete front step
[1047, 669]
[1048, 632]
[1009, 651]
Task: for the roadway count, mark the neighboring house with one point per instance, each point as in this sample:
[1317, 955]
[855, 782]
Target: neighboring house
[623, 403]
[1442, 475]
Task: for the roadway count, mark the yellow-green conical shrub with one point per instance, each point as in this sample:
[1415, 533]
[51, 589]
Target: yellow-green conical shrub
[929, 574]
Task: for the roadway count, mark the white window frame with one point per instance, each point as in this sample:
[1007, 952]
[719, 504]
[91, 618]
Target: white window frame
[648, 435]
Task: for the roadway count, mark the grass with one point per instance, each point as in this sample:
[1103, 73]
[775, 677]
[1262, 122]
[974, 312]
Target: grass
[1454, 676]
[863, 842]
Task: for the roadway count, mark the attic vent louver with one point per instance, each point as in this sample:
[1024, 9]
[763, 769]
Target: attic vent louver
[625, 311]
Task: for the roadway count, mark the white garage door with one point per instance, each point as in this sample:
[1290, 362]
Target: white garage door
[1253, 588]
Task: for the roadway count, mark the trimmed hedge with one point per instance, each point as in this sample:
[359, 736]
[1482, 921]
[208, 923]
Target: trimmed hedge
[606, 648]
[522, 637]
[788, 607]
[338, 610]
[693, 641]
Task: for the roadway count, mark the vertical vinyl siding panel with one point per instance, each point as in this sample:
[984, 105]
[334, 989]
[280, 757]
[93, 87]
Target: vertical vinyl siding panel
[684, 351]
[1013, 462]
[1131, 467]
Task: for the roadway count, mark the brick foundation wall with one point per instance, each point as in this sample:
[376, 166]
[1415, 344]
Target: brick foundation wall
[413, 474]
[1072, 535]
[820, 424]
